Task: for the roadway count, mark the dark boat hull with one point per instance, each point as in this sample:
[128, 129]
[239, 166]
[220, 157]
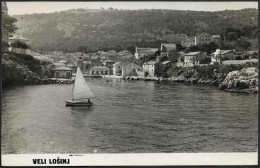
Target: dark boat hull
[78, 103]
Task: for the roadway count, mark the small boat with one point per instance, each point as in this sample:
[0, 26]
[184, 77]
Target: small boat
[81, 92]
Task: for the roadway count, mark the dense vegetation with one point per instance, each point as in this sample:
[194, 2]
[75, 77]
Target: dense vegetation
[23, 69]
[91, 30]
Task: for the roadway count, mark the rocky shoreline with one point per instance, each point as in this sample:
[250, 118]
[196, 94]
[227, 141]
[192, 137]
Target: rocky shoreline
[243, 81]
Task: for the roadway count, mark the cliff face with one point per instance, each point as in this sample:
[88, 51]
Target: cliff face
[245, 80]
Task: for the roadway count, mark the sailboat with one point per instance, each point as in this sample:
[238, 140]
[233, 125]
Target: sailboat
[81, 92]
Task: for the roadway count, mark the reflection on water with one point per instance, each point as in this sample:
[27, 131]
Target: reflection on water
[128, 116]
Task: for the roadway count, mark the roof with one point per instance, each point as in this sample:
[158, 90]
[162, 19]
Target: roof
[117, 63]
[127, 63]
[59, 63]
[166, 62]
[62, 61]
[108, 61]
[151, 62]
[192, 53]
[100, 67]
[168, 45]
[221, 52]
[146, 49]
[63, 68]
[69, 65]
[94, 57]
[215, 35]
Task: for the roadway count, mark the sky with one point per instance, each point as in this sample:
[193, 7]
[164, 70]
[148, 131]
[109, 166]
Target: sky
[17, 8]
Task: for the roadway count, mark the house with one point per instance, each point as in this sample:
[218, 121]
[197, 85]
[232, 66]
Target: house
[117, 69]
[62, 72]
[216, 39]
[95, 60]
[181, 57]
[99, 70]
[58, 64]
[220, 55]
[130, 68]
[191, 59]
[189, 41]
[142, 52]
[203, 38]
[168, 47]
[109, 64]
[136, 61]
[151, 68]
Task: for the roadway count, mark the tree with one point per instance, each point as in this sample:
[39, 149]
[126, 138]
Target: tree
[242, 44]
[19, 44]
[82, 48]
[173, 56]
[8, 24]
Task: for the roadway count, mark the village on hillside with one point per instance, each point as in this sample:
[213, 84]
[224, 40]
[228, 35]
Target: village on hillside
[203, 49]
[144, 63]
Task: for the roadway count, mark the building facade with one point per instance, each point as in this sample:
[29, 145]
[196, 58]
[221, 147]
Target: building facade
[151, 68]
[168, 47]
[142, 52]
[99, 70]
[220, 55]
[130, 69]
[117, 69]
[203, 38]
[191, 59]
[63, 72]
[189, 41]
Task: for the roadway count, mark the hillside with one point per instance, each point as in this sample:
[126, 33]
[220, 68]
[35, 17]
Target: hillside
[105, 29]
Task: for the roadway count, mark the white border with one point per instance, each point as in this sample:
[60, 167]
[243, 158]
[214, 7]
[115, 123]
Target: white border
[144, 159]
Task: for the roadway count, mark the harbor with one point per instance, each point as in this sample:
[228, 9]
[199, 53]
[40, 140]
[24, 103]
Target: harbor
[128, 117]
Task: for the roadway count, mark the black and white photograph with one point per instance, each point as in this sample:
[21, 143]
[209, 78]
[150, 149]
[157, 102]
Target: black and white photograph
[166, 80]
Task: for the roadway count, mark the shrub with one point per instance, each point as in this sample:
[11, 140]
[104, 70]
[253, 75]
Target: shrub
[238, 58]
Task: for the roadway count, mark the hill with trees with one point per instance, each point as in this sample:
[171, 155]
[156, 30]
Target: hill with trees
[91, 30]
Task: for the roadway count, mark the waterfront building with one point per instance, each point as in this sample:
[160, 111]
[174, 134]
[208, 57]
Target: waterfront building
[191, 59]
[117, 69]
[142, 52]
[151, 68]
[130, 69]
[109, 64]
[63, 72]
[99, 70]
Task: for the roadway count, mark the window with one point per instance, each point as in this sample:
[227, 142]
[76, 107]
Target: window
[102, 72]
[96, 72]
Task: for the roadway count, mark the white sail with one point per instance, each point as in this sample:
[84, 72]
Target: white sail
[81, 89]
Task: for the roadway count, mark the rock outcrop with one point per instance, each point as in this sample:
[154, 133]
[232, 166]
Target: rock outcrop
[244, 81]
